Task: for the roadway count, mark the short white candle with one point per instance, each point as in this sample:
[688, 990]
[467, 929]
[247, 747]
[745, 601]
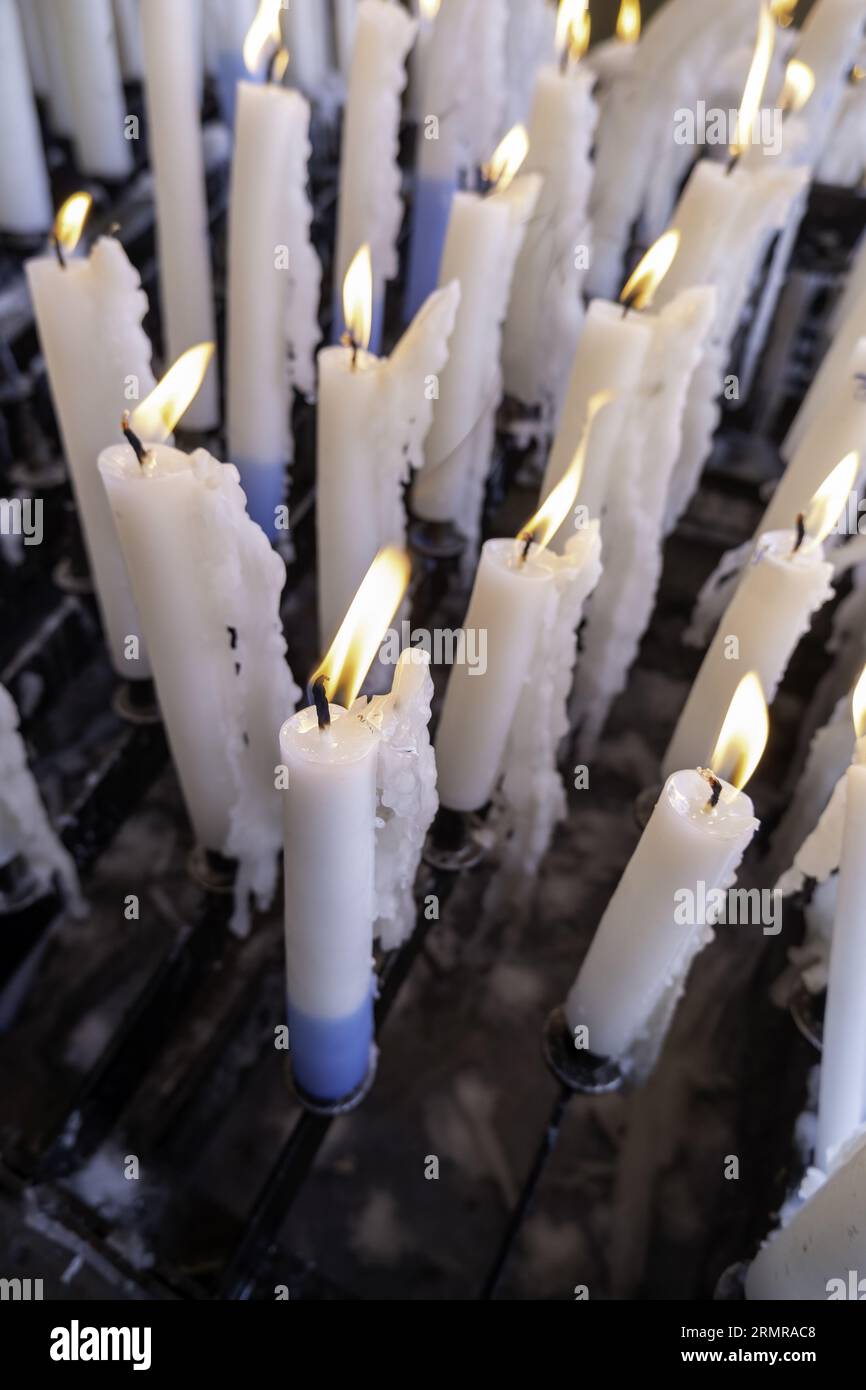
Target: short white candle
[273, 290]
[25, 199]
[90, 300]
[98, 108]
[627, 989]
[481, 249]
[810, 1258]
[787, 582]
[373, 417]
[370, 209]
[172, 54]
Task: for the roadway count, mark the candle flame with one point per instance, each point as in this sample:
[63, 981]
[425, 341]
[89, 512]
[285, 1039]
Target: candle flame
[543, 526]
[856, 74]
[155, 417]
[799, 86]
[743, 735]
[755, 82]
[352, 651]
[280, 65]
[858, 705]
[358, 297]
[572, 25]
[828, 503]
[783, 11]
[640, 289]
[70, 220]
[507, 158]
[628, 21]
[429, 9]
[262, 33]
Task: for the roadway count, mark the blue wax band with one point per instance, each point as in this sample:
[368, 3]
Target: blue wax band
[430, 213]
[339, 325]
[330, 1056]
[231, 69]
[265, 487]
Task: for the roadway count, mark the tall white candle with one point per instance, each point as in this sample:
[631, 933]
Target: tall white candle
[273, 290]
[788, 581]
[481, 249]
[545, 313]
[844, 160]
[59, 95]
[34, 47]
[529, 45]
[373, 417]
[98, 108]
[809, 1259]
[172, 55]
[25, 199]
[829, 40]
[370, 209]
[208, 585]
[97, 300]
[345, 19]
[307, 36]
[127, 27]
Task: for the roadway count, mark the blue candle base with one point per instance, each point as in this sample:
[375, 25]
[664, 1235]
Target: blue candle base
[332, 1058]
[430, 213]
[339, 324]
[265, 487]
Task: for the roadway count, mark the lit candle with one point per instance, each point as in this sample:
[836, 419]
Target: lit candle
[628, 986]
[207, 585]
[273, 290]
[844, 160]
[306, 35]
[545, 314]
[370, 209]
[25, 829]
[842, 1094]
[829, 41]
[812, 1258]
[528, 601]
[25, 199]
[98, 109]
[372, 420]
[79, 303]
[787, 582]
[359, 796]
[172, 55]
[637, 488]
[484, 239]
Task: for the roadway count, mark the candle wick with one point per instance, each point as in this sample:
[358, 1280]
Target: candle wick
[350, 341]
[732, 164]
[320, 700]
[58, 251]
[133, 440]
[715, 787]
[801, 532]
[526, 537]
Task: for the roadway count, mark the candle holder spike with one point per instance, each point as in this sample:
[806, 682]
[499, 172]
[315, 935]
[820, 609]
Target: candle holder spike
[435, 540]
[731, 1287]
[211, 870]
[344, 1105]
[135, 702]
[457, 842]
[582, 1072]
[807, 1011]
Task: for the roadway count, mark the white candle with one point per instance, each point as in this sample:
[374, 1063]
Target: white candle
[787, 583]
[529, 44]
[25, 199]
[373, 417]
[208, 587]
[829, 41]
[636, 496]
[844, 160]
[662, 913]
[809, 1259]
[370, 209]
[273, 290]
[172, 54]
[481, 249]
[127, 25]
[526, 602]
[848, 326]
[359, 797]
[88, 316]
[345, 19]
[35, 49]
[545, 313]
[24, 825]
[842, 1095]
[59, 95]
[98, 108]
[610, 356]
[306, 35]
